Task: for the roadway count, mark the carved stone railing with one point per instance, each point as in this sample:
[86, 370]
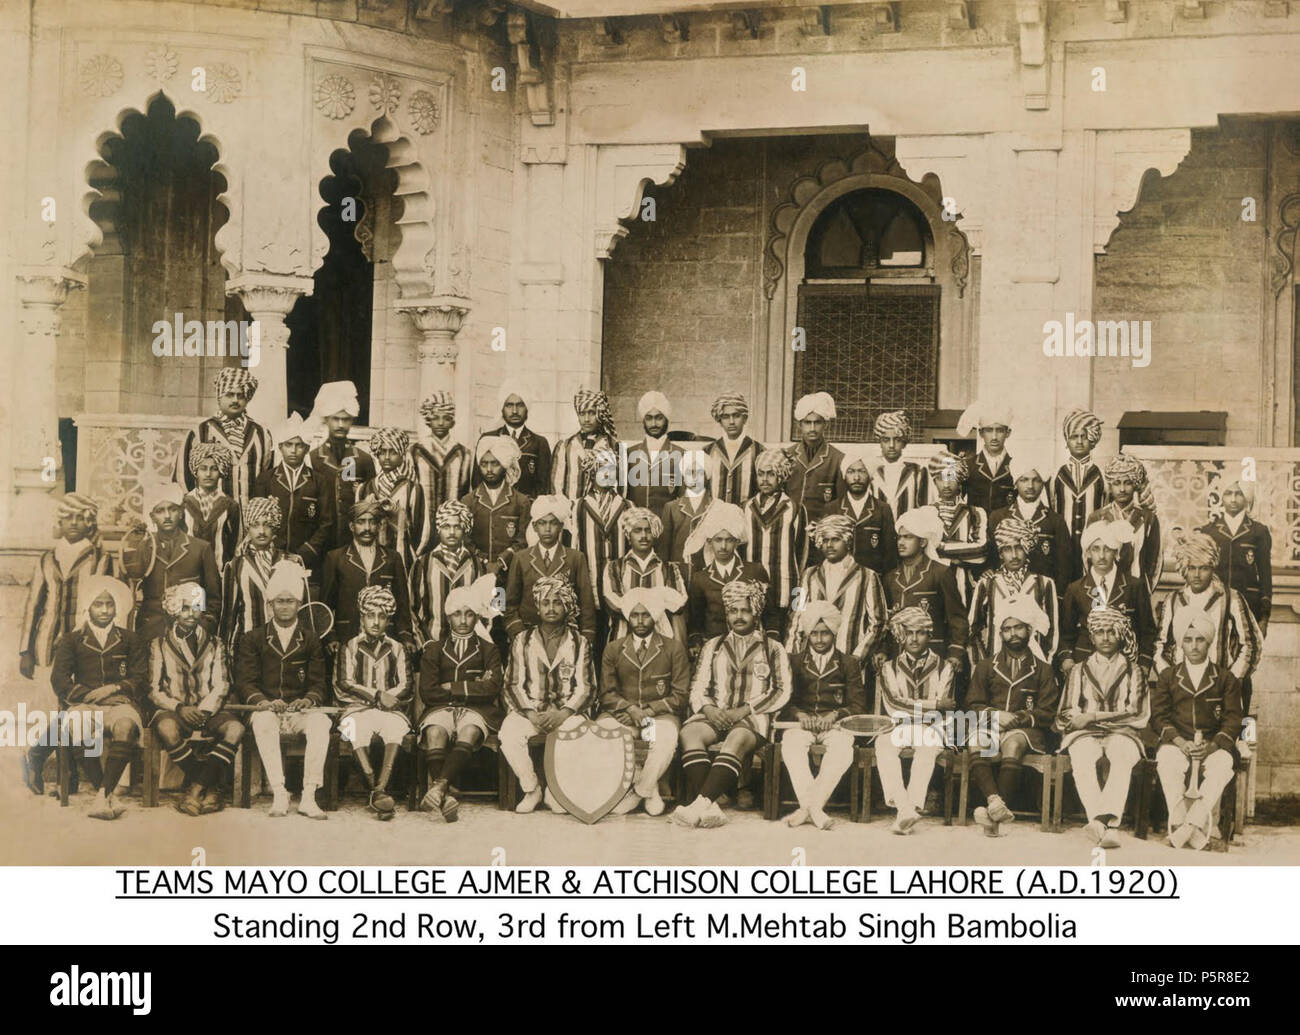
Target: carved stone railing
[118, 453]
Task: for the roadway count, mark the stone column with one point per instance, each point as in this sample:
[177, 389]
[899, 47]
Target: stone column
[268, 297]
[438, 319]
[37, 459]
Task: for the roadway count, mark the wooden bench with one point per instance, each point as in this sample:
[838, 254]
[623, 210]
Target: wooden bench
[1052, 768]
[952, 763]
[774, 780]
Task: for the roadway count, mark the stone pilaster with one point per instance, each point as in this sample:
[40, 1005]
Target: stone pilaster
[268, 297]
[438, 319]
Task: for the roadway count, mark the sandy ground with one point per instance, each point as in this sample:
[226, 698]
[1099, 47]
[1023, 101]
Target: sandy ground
[36, 831]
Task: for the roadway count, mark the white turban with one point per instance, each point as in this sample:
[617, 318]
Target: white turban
[286, 578]
[652, 401]
[336, 397]
[1109, 533]
[1024, 608]
[292, 427]
[720, 517]
[91, 587]
[1027, 462]
[924, 523]
[505, 450]
[509, 388]
[163, 492]
[558, 507]
[857, 452]
[980, 414]
[815, 611]
[479, 597]
[660, 601]
[819, 403]
[1197, 621]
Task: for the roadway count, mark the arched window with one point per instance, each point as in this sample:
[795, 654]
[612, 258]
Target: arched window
[864, 233]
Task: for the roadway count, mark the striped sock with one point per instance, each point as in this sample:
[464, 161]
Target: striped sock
[695, 768]
[220, 762]
[182, 755]
[434, 760]
[723, 776]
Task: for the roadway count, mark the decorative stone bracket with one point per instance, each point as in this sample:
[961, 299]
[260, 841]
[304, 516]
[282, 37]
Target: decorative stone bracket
[536, 90]
[1032, 16]
[1123, 159]
[438, 319]
[622, 172]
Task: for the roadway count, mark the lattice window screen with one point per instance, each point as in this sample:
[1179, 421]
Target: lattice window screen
[873, 349]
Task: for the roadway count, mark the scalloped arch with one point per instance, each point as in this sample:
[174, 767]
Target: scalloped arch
[88, 235]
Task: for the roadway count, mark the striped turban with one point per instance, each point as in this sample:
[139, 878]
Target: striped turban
[740, 592]
[391, 438]
[563, 591]
[635, 515]
[214, 451]
[263, 510]
[505, 450]
[910, 619]
[376, 600]
[182, 595]
[816, 611]
[373, 506]
[894, 422]
[597, 459]
[778, 461]
[1082, 420]
[1121, 465]
[832, 526]
[1194, 548]
[591, 399]
[1015, 531]
[439, 404]
[946, 464]
[1100, 618]
[454, 513]
[235, 379]
[727, 400]
[72, 504]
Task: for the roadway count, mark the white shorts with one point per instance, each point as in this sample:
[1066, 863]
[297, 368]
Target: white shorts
[362, 727]
[453, 720]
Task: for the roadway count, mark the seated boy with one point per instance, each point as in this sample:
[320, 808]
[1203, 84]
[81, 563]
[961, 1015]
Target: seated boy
[644, 679]
[460, 692]
[1014, 694]
[1196, 711]
[741, 681]
[188, 684]
[827, 686]
[373, 684]
[914, 687]
[280, 669]
[640, 568]
[551, 680]
[1103, 710]
[100, 671]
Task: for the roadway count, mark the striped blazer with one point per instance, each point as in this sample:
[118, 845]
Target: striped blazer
[597, 535]
[912, 488]
[992, 593]
[408, 527]
[1099, 684]
[964, 545]
[53, 607]
[243, 594]
[1050, 554]
[437, 574]
[535, 682]
[220, 528]
[1238, 643]
[732, 480]
[461, 675]
[860, 597]
[907, 683]
[182, 674]
[364, 668]
[248, 466]
[623, 573]
[443, 470]
[567, 478]
[778, 540]
[1077, 489]
[732, 671]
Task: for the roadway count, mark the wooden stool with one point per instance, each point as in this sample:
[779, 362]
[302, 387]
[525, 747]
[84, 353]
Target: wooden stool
[292, 746]
[772, 783]
[1049, 767]
[951, 762]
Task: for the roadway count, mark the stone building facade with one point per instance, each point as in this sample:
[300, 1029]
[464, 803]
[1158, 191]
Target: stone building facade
[1096, 161]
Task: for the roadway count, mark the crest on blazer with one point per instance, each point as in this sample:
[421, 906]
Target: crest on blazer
[827, 492]
[311, 509]
[532, 469]
[1250, 555]
[1044, 546]
[121, 668]
[875, 539]
[511, 526]
[589, 767]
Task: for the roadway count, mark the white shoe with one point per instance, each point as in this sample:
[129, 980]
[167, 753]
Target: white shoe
[654, 805]
[712, 816]
[626, 804]
[999, 812]
[529, 801]
[820, 820]
[904, 822]
[1181, 834]
[798, 817]
[687, 815]
[101, 807]
[308, 807]
[553, 803]
[1110, 839]
[1096, 831]
[279, 802]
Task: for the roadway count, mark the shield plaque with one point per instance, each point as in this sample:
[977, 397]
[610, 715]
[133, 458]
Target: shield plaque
[589, 767]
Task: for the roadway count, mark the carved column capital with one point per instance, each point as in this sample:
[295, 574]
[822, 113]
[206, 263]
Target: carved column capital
[438, 320]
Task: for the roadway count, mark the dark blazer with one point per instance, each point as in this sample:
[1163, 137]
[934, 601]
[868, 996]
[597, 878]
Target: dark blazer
[1031, 694]
[307, 513]
[1246, 562]
[652, 483]
[346, 576]
[526, 567]
[705, 615]
[988, 491]
[473, 681]
[82, 665]
[838, 691]
[499, 527]
[534, 461]
[933, 588]
[679, 523]
[265, 672]
[660, 683]
[343, 490]
[875, 543]
[815, 483]
[189, 560]
[1050, 555]
[1126, 594]
[1179, 709]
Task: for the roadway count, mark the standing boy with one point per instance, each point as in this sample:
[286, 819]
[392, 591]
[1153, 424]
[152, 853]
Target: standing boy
[210, 514]
[248, 442]
[716, 539]
[653, 467]
[640, 568]
[449, 565]
[498, 506]
[856, 592]
[1078, 488]
[595, 428]
[443, 468]
[407, 509]
[778, 533]
[338, 461]
[1245, 550]
[875, 543]
[814, 477]
[731, 456]
[901, 483]
[682, 515]
[178, 558]
[306, 498]
[921, 580]
[534, 451]
[364, 562]
[989, 486]
[244, 606]
[1050, 552]
[1129, 500]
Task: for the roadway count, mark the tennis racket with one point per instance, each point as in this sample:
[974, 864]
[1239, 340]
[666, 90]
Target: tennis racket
[858, 725]
[136, 552]
[325, 709]
[317, 617]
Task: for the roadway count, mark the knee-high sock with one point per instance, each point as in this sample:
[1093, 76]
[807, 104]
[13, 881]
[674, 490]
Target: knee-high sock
[119, 754]
[695, 770]
[724, 776]
[981, 775]
[220, 762]
[386, 767]
[182, 755]
[434, 759]
[459, 754]
[1009, 778]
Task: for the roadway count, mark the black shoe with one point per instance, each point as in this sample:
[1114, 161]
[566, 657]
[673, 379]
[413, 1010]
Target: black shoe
[33, 774]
